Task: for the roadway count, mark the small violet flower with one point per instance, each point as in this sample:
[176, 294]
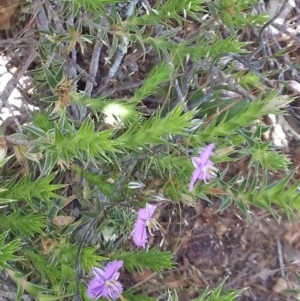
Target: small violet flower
[204, 169]
[105, 282]
[144, 220]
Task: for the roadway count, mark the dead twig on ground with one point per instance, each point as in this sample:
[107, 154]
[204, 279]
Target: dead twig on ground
[280, 258]
[123, 87]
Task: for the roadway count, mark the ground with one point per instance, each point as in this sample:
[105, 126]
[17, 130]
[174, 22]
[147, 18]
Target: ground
[8, 290]
[261, 254]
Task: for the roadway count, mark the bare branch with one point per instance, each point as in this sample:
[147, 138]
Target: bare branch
[13, 82]
[122, 50]
[284, 30]
[94, 65]
[41, 20]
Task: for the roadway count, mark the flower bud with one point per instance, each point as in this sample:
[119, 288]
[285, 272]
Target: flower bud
[136, 185]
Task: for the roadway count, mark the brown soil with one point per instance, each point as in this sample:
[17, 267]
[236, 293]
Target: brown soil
[261, 254]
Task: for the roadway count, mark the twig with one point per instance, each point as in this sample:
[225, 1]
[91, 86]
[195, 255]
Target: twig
[130, 8]
[72, 73]
[186, 81]
[285, 58]
[235, 86]
[122, 87]
[247, 62]
[189, 73]
[284, 30]
[83, 72]
[97, 26]
[114, 68]
[94, 65]
[13, 82]
[147, 4]
[19, 141]
[122, 50]
[123, 47]
[265, 26]
[26, 40]
[53, 15]
[280, 258]
[41, 20]
[239, 277]
[180, 97]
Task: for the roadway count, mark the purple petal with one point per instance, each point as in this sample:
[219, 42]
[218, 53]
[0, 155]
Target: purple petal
[105, 292]
[142, 214]
[150, 209]
[195, 176]
[196, 162]
[206, 176]
[115, 293]
[98, 273]
[111, 270]
[145, 213]
[139, 234]
[95, 288]
[206, 153]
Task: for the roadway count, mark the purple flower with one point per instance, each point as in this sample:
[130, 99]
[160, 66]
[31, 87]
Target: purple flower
[204, 169]
[105, 282]
[144, 220]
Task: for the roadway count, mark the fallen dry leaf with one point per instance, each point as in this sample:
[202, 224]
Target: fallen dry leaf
[264, 274]
[291, 254]
[47, 244]
[221, 229]
[280, 285]
[62, 220]
[175, 284]
[7, 9]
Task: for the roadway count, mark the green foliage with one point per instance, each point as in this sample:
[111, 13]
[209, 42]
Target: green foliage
[157, 76]
[26, 190]
[239, 114]
[66, 200]
[137, 260]
[8, 249]
[42, 121]
[263, 194]
[217, 294]
[136, 297]
[231, 12]
[269, 159]
[23, 223]
[155, 128]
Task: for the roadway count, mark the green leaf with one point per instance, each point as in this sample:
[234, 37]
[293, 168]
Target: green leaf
[52, 81]
[24, 223]
[51, 160]
[152, 259]
[156, 129]
[113, 48]
[158, 75]
[8, 249]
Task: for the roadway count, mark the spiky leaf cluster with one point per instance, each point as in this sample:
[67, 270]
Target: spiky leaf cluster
[67, 199]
